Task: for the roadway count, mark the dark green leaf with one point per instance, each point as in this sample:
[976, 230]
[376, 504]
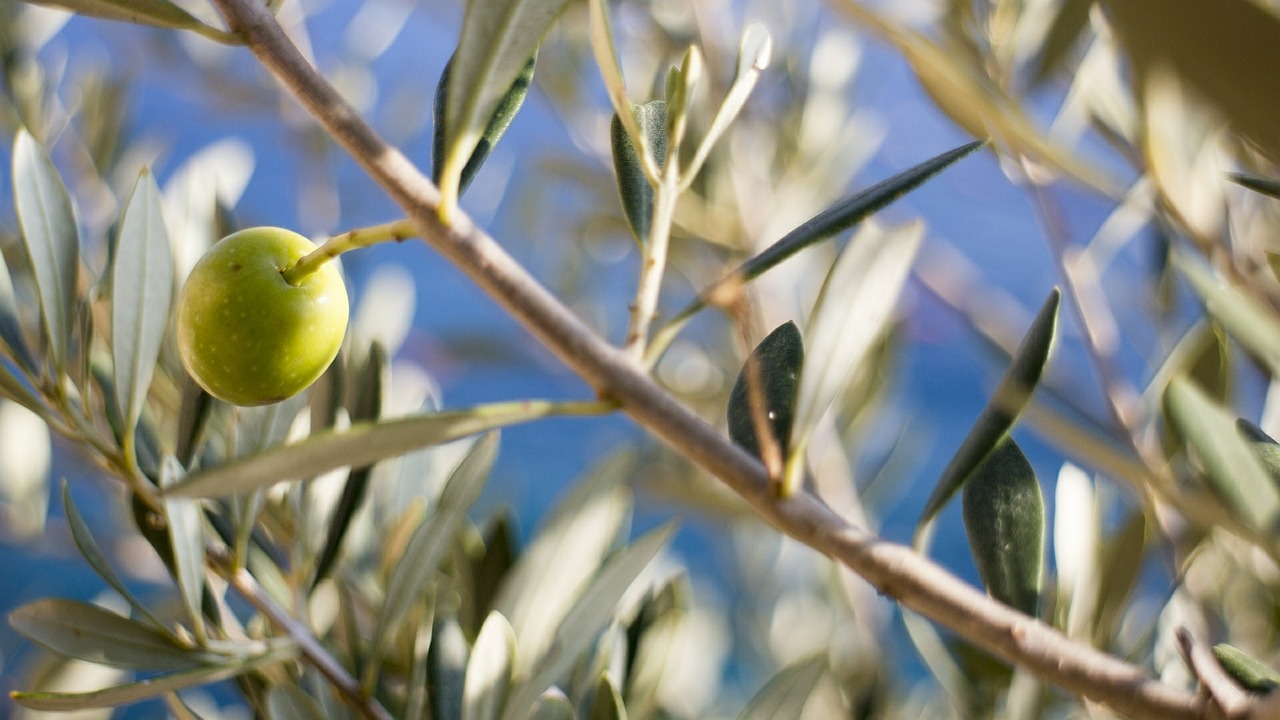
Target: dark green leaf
[193, 418]
[367, 406]
[1231, 469]
[491, 569]
[1251, 673]
[141, 292]
[10, 322]
[489, 670]
[447, 668]
[785, 696]
[506, 111]
[1257, 183]
[607, 703]
[1011, 396]
[1004, 518]
[94, 634]
[52, 241]
[633, 186]
[779, 358]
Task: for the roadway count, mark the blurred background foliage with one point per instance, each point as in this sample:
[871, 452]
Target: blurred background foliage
[1133, 154]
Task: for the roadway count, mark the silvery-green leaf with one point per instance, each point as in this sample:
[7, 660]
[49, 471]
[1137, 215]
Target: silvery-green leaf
[633, 185]
[159, 13]
[447, 668]
[1004, 518]
[286, 701]
[1252, 674]
[150, 687]
[498, 38]
[779, 358]
[1011, 396]
[1264, 447]
[88, 632]
[551, 705]
[852, 312]
[501, 119]
[429, 543]
[51, 239]
[141, 291]
[1251, 323]
[361, 444]
[10, 322]
[607, 703]
[186, 535]
[489, 670]
[14, 389]
[563, 556]
[785, 695]
[589, 616]
[755, 51]
[1231, 469]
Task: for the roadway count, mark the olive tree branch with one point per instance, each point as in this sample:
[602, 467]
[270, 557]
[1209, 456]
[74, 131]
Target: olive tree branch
[894, 569]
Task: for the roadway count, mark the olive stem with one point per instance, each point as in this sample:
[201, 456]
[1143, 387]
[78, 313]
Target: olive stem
[397, 231]
[653, 261]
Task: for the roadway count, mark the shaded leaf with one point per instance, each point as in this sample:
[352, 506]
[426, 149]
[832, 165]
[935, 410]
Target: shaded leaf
[286, 701]
[148, 688]
[1252, 674]
[1004, 518]
[607, 703]
[633, 185]
[1069, 23]
[779, 358]
[1257, 183]
[51, 239]
[1250, 322]
[429, 543]
[11, 388]
[10, 322]
[786, 694]
[193, 418]
[1264, 447]
[359, 445]
[852, 312]
[1231, 469]
[158, 13]
[88, 632]
[490, 570]
[141, 292]
[501, 119]
[497, 40]
[1011, 396]
[186, 537]
[447, 668]
[489, 670]
[1121, 564]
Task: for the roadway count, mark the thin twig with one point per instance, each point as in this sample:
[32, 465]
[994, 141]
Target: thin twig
[895, 569]
[1230, 698]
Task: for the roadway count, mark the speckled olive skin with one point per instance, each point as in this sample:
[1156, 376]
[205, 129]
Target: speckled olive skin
[248, 336]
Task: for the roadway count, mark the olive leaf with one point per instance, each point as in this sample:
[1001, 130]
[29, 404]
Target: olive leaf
[10, 324]
[157, 13]
[607, 703]
[779, 358]
[186, 536]
[633, 185]
[141, 293]
[447, 667]
[489, 670]
[51, 240]
[1257, 183]
[286, 701]
[552, 705]
[786, 694]
[1250, 322]
[1264, 447]
[1011, 396]
[498, 123]
[1004, 518]
[1252, 674]
[94, 634]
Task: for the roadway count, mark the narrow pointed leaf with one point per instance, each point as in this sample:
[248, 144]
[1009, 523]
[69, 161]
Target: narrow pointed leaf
[141, 292]
[607, 703]
[186, 535]
[1257, 183]
[779, 357]
[1251, 323]
[633, 185]
[1252, 674]
[498, 39]
[10, 322]
[1264, 447]
[447, 668]
[489, 670]
[1011, 396]
[12, 388]
[501, 119]
[1004, 518]
[429, 543]
[193, 418]
[148, 688]
[1231, 469]
[852, 312]
[158, 13]
[361, 444]
[786, 694]
[51, 239]
[290, 702]
[94, 634]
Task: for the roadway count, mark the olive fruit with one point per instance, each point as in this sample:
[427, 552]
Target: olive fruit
[247, 335]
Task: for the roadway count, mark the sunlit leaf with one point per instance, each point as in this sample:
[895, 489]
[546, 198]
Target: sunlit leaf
[852, 312]
[501, 119]
[607, 703]
[498, 38]
[1004, 518]
[158, 13]
[489, 670]
[429, 543]
[148, 688]
[51, 239]
[141, 291]
[286, 701]
[1250, 322]
[1011, 396]
[786, 694]
[186, 536]
[633, 185]
[362, 444]
[1252, 674]
[1231, 469]
[552, 705]
[779, 358]
[88, 632]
